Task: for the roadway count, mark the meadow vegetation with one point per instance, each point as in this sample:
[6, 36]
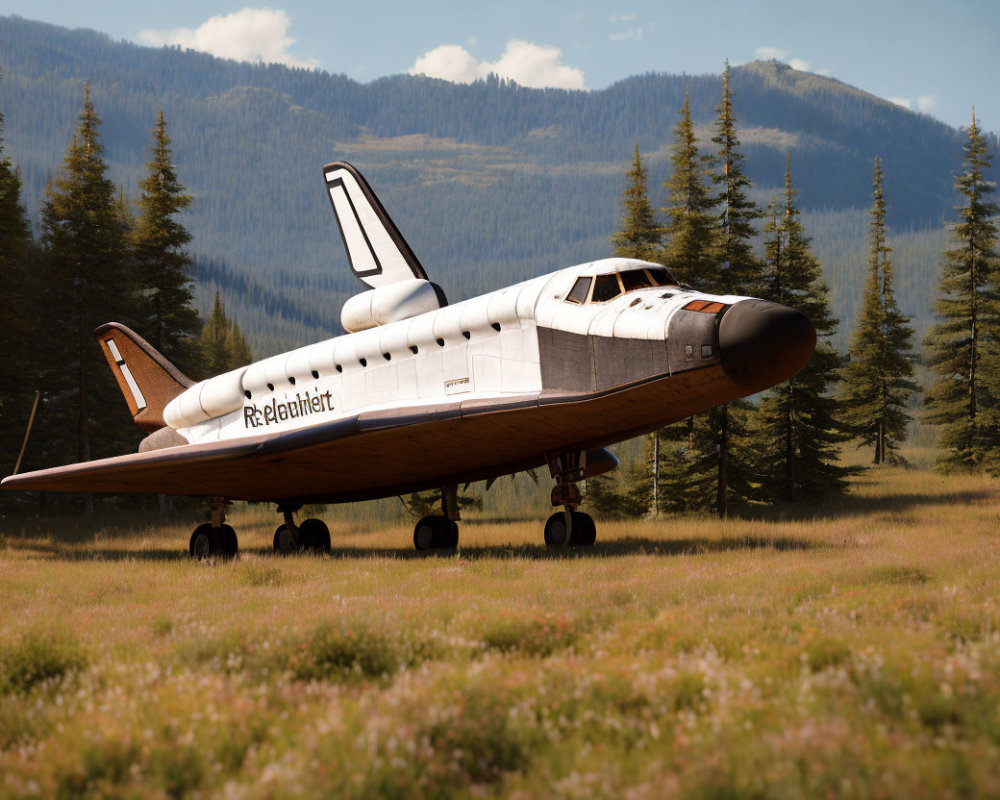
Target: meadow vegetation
[852, 650]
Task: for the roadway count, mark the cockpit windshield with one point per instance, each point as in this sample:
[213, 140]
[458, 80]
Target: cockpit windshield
[609, 286]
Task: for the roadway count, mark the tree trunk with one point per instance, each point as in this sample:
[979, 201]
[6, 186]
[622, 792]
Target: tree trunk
[722, 489]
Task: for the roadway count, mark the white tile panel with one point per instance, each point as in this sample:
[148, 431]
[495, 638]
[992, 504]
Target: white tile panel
[430, 375]
[223, 393]
[190, 406]
[530, 337]
[518, 377]
[448, 325]
[420, 332]
[512, 345]
[473, 317]
[297, 364]
[321, 357]
[502, 307]
[486, 374]
[394, 340]
[367, 343]
[345, 352]
[381, 382]
[407, 376]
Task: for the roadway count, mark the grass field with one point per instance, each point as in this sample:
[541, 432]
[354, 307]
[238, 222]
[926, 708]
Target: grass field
[854, 652]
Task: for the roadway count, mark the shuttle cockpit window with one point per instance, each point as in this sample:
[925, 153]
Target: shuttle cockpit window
[580, 290]
[662, 277]
[606, 287]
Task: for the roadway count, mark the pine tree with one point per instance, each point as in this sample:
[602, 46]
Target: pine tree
[797, 425]
[170, 321]
[87, 283]
[878, 380]
[722, 435]
[222, 346]
[962, 346]
[17, 384]
[640, 235]
[691, 251]
[680, 477]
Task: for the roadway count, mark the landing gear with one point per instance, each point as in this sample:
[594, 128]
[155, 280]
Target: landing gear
[581, 529]
[568, 527]
[215, 538]
[312, 534]
[440, 533]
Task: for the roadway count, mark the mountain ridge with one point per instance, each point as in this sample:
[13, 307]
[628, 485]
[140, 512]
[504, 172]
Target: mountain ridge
[490, 182]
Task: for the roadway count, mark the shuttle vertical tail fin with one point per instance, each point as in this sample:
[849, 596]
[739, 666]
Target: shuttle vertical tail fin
[377, 251]
[147, 380]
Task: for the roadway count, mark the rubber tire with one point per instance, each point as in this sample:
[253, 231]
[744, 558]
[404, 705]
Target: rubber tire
[202, 544]
[584, 529]
[447, 534]
[279, 540]
[556, 534]
[230, 544]
[425, 533]
[315, 535]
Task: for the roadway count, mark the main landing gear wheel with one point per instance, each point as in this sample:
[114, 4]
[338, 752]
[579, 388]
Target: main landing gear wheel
[207, 541]
[435, 533]
[314, 535]
[582, 529]
[286, 540]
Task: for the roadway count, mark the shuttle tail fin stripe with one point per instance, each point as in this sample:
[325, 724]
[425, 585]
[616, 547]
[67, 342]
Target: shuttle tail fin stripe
[147, 380]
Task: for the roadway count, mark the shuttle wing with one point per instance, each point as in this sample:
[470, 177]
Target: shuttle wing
[377, 251]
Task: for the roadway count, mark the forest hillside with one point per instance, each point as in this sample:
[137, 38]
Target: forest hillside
[490, 182]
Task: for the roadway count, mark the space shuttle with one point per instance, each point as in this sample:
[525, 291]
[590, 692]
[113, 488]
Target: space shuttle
[420, 394]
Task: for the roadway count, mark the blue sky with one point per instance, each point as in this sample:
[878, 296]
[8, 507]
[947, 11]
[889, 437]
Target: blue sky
[938, 57]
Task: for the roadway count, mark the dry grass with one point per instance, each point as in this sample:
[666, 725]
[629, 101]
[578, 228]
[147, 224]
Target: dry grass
[849, 652]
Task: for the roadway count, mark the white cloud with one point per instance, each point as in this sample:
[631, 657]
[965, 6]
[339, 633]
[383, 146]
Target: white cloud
[532, 65]
[768, 53]
[926, 103]
[630, 17]
[901, 101]
[451, 62]
[777, 54]
[631, 32]
[251, 34]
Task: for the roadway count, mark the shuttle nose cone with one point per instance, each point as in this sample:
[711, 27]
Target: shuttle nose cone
[762, 344]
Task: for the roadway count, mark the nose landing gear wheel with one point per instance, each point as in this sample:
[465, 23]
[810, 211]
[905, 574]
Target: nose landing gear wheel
[435, 533]
[583, 531]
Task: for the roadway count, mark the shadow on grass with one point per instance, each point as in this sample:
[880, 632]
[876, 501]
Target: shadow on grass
[619, 548]
[855, 506]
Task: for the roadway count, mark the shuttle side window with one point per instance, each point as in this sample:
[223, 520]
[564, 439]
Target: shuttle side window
[579, 292]
[606, 287]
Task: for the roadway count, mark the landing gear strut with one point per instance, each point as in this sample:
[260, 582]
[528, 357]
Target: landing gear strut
[569, 526]
[312, 534]
[440, 533]
[214, 538]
